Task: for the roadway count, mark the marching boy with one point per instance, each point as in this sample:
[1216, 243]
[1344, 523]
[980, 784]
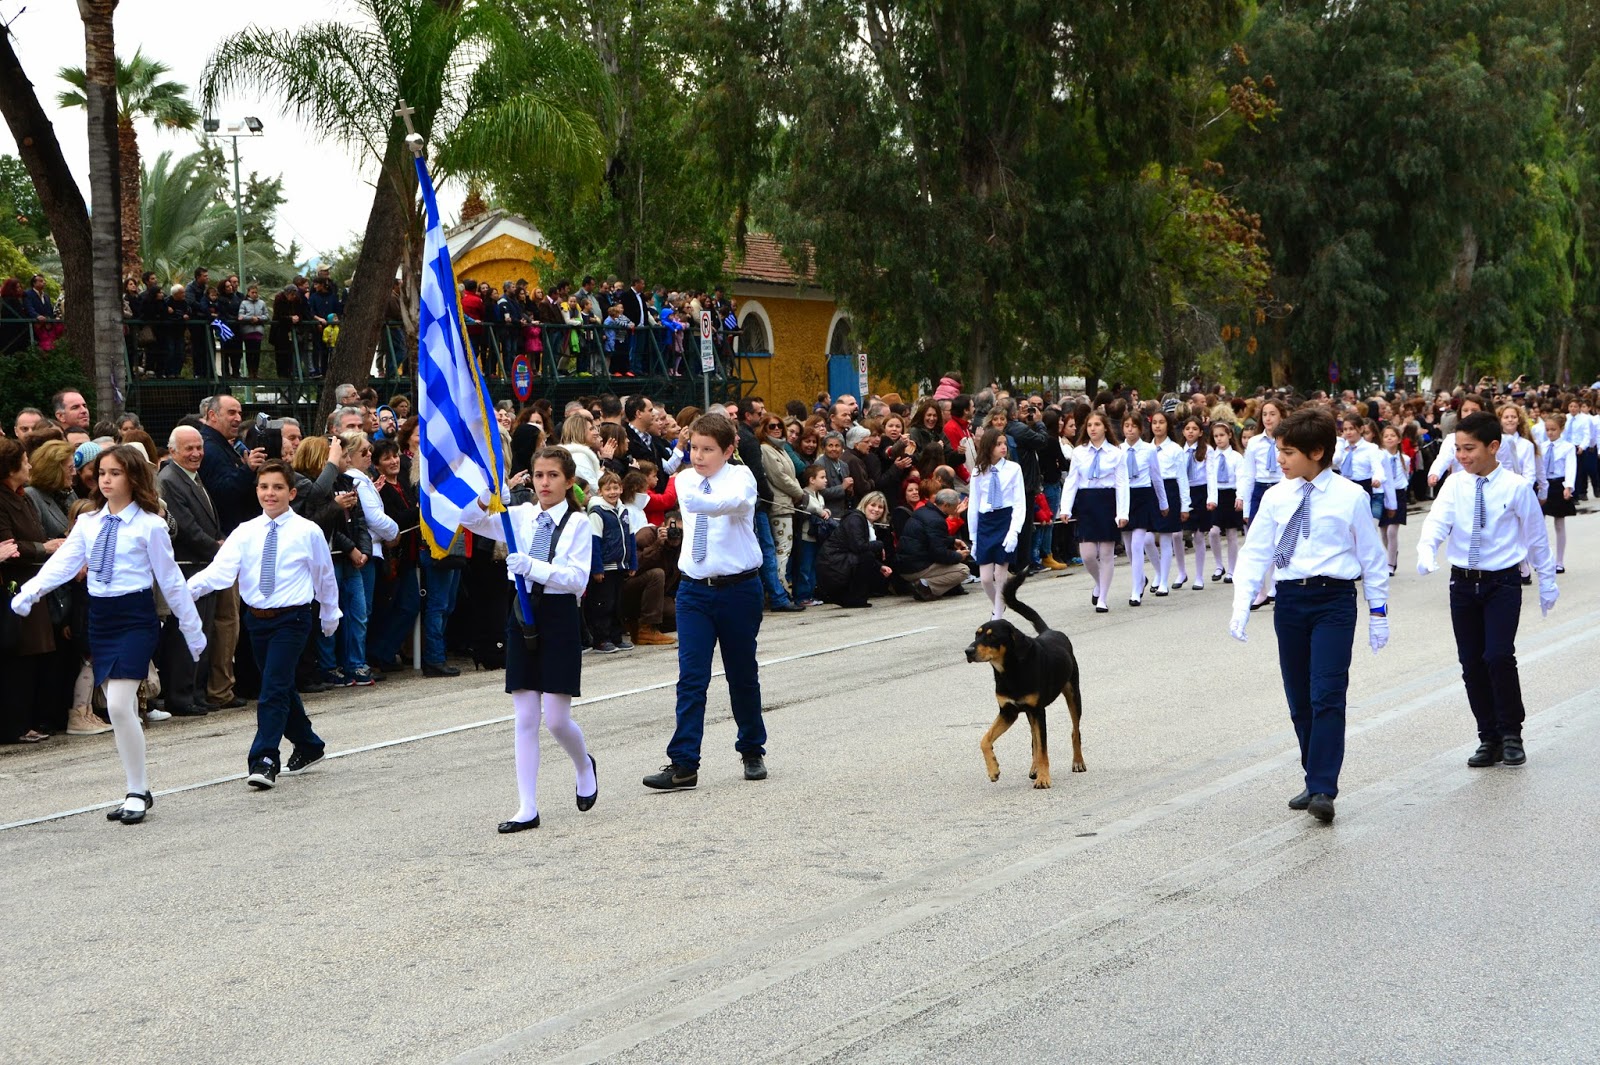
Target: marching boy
[1490, 522]
[1317, 529]
[282, 563]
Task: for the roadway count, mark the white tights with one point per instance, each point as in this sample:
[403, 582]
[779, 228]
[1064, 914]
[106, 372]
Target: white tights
[1171, 548]
[993, 576]
[1391, 541]
[1233, 548]
[1099, 559]
[122, 703]
[556, 711]
[1561, 541]
[1137, 539]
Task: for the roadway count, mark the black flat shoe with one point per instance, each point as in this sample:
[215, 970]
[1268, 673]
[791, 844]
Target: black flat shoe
[1300, 801]
[508, 827]
[586, 802]
[1511, 752]
[755, 767]
[1485, 756]
[121, 813]
[430, 670]
[1321, 807]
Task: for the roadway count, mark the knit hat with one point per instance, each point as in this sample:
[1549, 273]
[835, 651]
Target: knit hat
[86, 453]
[855, 435]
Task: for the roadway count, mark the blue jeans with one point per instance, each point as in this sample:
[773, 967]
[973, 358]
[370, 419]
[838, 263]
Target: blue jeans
[439, 599]
[731, 616]
[387, 635]
[805, 570]
[769, 560]
[1042, 537]
[277, 643]
[1316, 627]
[333, 652]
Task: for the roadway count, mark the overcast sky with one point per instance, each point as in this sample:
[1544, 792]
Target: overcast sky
[328, 198]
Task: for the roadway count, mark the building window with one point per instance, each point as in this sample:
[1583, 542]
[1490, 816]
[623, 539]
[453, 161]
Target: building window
[841, 342]
[753, 339]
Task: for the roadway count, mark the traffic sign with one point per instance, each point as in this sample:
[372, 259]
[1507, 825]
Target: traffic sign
[522, 378]
[708, 361]
[861, 370]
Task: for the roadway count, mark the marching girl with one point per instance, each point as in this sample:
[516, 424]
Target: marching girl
[543, 670]
[1396, 482]
[1560, 465]
[1519, 455]
[1258, 472]
[1444, 464]
[125, 546]
[1223, 461]
[1147, 498]
[1174, 480]
[1096, 495]
[1198, 521]
[996, 509]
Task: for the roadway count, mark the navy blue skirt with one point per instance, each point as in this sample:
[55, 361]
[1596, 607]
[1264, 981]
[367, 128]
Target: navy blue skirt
[1256, 492]
[992, 530]
[1199, 516]
[1142, 510]
[558, 666]
[1555, 504]
[1173, 522]
[123, 633]
[1225, 517]
[1096, 511]
[1399, 508]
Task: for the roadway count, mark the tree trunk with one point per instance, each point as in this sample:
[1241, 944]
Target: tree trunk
[58, 192]
[105, 230]
[1563, 369]
[383, 246]
[980, 351]
[1447, 359]
[128, 179]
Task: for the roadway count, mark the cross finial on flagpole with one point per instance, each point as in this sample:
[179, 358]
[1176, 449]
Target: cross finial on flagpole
[413, 138]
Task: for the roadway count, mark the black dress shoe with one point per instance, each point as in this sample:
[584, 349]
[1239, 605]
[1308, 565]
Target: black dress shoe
[122, 813]
[231, 704]
[431, 670]
[1321, 807]
[187, 711]
[508, 827]
[1486, 755]
[586, 802]
[1511, 752]
[1300, 801]
[755, 767]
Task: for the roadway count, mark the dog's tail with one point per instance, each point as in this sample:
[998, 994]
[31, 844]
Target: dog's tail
[1010, 596]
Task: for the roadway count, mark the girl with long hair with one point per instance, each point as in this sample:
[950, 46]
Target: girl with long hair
[1197, 523]
[1096, 495]
[1147, 498]
[1222, 491]
[996, 509]
[1174, 479]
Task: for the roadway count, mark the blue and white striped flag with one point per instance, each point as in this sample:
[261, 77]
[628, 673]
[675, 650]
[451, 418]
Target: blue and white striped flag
[223, 332]
[459, 443]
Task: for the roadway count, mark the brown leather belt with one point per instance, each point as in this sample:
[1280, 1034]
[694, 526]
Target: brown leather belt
[266, 613]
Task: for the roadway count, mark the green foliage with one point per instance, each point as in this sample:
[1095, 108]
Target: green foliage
[22, 219]
[142, 93]
[187, 221]
[13, 263]
[33, 376]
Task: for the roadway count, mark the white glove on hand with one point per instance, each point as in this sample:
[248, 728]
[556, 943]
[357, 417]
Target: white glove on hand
[1241, 618]
[1547, 601]
[1426, 566]
[519, 564]
[328, 630]
[1377, 632]
[197, 645]
[22, 606]
[1010, 544]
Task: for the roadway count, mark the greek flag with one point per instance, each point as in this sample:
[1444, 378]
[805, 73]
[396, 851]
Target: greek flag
[460, 448]
[222, 329]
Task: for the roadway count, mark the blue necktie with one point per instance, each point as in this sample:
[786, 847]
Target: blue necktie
[541, 537]
[1480, 518]
[1272, 456]
[1550, 464]
[1349, 453]
[994, 487]
[1133, 464]
[1094, 466]
[702, 528]
[104, 556]
[1299, 526]
[269, 561]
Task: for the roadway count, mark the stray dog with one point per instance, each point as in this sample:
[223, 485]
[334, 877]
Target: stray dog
[1029, 672]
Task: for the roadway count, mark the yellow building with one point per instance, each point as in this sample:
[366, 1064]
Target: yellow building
[496, 247]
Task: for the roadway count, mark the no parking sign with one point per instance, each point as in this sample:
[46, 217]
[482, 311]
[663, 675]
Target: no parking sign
[521, 378]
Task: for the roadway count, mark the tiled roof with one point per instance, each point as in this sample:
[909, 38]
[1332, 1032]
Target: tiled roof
[764, 262]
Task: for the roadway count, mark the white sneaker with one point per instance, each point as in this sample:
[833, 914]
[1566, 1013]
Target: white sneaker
[156, 715]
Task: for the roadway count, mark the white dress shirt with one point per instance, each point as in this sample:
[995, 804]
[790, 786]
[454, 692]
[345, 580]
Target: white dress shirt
[1560, 459]
[1113, 473]
[1196, 471]
[731, 546]
[1361, 461]
[143, 552]
[1579, 430]
[379, 524]
[1396, 475]
[1444, 462]
[983, 499]
[302, 572]
[1260, 466]
[567, 573]
[1174, 467]
[1144, 468]
[1341, 540]
[1222, 471]
[1518, 455]
[1513, 530]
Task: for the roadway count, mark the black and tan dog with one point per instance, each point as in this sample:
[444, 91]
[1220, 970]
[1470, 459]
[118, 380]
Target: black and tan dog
[1029, 672]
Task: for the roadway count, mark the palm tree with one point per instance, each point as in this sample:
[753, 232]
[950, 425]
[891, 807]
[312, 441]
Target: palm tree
[449, 61]
[187, 226]
[142, 93]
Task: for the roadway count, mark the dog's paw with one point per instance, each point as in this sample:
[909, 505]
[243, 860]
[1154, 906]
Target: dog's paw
[1033, 775]
[994, 775]
[1079, 767]
[1042, 782]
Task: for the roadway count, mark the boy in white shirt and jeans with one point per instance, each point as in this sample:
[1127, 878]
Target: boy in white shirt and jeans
[1317, 529]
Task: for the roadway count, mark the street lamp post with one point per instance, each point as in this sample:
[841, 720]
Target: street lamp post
[250, 127]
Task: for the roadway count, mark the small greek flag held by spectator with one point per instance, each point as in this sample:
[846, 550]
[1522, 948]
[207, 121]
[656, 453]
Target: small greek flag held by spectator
[459, 442]
[223, 332]
[730, 322]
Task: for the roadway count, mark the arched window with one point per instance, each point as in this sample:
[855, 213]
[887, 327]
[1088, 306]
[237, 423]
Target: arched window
[841, 342]
[753, 339]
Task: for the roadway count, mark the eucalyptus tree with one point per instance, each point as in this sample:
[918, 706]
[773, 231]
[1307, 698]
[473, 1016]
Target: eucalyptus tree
[488, 94]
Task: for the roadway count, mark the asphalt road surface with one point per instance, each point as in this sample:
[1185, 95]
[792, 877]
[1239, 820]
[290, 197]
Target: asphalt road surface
[877, 899]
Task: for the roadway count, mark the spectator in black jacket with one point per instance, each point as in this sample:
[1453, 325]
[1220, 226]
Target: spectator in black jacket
[851, 568]
[752, 412]
[1026, 440]
[198, 297]
[930, 559]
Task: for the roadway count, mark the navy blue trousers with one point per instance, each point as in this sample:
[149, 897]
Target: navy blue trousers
[1316, 628]
[1485, 615]
[277, 643]
[731, 616]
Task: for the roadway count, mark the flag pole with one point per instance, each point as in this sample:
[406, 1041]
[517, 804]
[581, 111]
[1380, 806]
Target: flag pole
[524, 600]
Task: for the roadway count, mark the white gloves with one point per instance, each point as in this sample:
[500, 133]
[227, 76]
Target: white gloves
[22, 605]
[1377, 632]
[1010, 544]
[1241, 618]
[1547, 601]
[519, 564]
[1426, 566]
[197, 645]
[329, 629]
